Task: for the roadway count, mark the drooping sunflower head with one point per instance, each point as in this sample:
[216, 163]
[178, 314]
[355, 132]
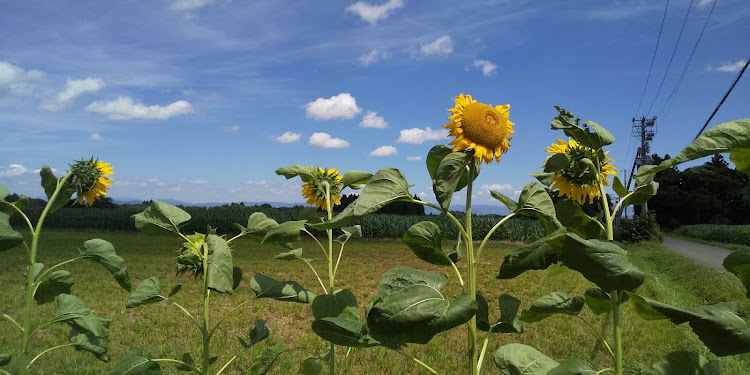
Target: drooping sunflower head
[314, 190]
[481, 127]
[89, 180]
[577, 181]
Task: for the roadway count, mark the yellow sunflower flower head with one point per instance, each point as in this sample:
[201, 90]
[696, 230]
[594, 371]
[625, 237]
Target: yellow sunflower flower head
[576, 181]
[315, 189]
[89, 180]
[481, 127]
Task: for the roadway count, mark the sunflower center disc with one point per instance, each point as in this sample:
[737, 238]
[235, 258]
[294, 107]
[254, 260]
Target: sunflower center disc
[482, 125]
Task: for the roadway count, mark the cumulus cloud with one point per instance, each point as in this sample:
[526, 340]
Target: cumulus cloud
[188, 5]
[288, 137]
[341, 106]
[13, 170]
[73, 89]
[418, 136]
[198, 182]
[374, 13]
[252, 182]
[414, 158]
[372, 120]
[17, 81]
[729, 67]
[486, 66]
[442, 46]
[324, 140]
[373, 56]
[703, 3]
[506, 189]
[124, 108]
[384, 151]
[232, 129]
[96, 137]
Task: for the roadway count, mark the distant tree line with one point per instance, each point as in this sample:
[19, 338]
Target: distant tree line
[712, 193]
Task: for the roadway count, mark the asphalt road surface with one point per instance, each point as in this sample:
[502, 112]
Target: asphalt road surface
[711, 256]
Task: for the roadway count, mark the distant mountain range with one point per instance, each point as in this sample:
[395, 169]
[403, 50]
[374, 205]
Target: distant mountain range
[477, 209]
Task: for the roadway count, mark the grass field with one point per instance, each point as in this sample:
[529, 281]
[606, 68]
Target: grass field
[163, 329]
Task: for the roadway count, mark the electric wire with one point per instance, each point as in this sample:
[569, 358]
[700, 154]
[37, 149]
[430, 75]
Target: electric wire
[648, 76]
[664, 77]
[679, 80]
[724, 98]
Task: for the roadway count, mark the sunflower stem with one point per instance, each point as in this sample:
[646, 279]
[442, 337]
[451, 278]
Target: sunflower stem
[490, 233]
[331, 276]
[24, 356]
[206, 335]
[472, 277]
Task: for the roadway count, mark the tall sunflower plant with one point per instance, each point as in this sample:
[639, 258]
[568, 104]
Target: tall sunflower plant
[336, 311]
[578, 170]
[88, 179]
[207, 257]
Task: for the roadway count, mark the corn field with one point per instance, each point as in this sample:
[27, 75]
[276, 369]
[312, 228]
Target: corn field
[736, 234]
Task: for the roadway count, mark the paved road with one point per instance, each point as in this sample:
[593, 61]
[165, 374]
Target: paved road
[709, 255]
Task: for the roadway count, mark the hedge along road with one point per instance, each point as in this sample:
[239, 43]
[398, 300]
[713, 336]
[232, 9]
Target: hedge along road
[711, 256]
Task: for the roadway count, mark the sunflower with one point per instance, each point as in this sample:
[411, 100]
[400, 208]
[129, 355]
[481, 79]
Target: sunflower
[315, 189]
[89, 181]
[575, 181]
[481, 127]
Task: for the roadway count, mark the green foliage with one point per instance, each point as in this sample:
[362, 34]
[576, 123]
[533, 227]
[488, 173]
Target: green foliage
[736, 234]
[520, 359]
[641, 228]
[552, 304]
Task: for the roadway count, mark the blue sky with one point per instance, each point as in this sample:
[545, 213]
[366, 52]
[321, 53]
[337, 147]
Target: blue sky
[201, 100]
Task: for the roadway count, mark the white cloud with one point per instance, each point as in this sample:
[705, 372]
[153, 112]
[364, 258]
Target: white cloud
[198, 182]
[506, 189]
[124, 108]
[372, 120]
[324, 140]
[373, 56]
[341, 106]
[729, 67]
[96, 137]
[442, 46]
[232, 129]
[13, 170]
[288, 137]
[188, 5]
[374, 13]
[17, 81]
[486, 66]
[73, 89]
[703, 3]
[418, 136]
[413, 158]
[384, 151]
[251, 182]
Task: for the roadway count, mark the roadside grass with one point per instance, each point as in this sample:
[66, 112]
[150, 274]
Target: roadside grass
[723, 245]
[733, 234]
[167, 333]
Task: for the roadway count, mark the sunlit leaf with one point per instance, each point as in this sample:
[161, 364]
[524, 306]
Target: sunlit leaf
[684, 363]
[161, 216]
[147, 292]
[134, 363]
[424, 240]
[505, 200]
[520, 359]
[285, 232]
[103, 252]
[355, 179]
[304, 172]
[220, 271]
[545, 178]
[354, 231]
[448, 175]
[590, 134]
[49, 183]
[534, 201]
[310, 214]
[719, 326]
[573, 366]
[71, 310]
[335, 305]
[88, 342]
[552, 304]
[266, 287]
[571, 216]
[343, 331]
[537, 255]
[556, 162]
[258, 224]
[640, 195]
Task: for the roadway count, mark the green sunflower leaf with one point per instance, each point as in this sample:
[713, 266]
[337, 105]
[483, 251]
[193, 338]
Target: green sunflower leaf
[436, 155]
[509, 321]
[11, 208]
[556, 163]
[552, 304]
[534, 201]
[88, 342]
[306, 172]
[355, 179]
[258, 225]
[719, 326]
[147, 292]
[71, 310]
[339, 304]
[591, 134]
[258, 333]
[573, 366]
[523, 360]
[161, 216]
[9, 238]
[684, 363]
[448, 175]
[641, 194]
[545, 178]
[264, 362]
[537, 255]
[354, 231]
[732, 137]
[49, 183]
[285, 232]
[505, 200]
[738, 263]
[343, 331]
[388, 185]
[424, 240]
[103, 252]
[291, 291]
[58, 282]
[134, 363]
[310, 366]
[220, 271]
[571, 215]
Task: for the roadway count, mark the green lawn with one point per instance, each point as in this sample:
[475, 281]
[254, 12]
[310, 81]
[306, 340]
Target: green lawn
[166, 333]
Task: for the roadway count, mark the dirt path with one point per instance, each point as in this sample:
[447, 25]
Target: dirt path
[711, 256]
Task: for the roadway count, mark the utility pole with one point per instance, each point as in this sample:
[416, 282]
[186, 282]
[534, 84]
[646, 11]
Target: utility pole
[645, 129]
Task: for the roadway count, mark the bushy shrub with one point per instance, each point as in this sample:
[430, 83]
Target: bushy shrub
[639, 229]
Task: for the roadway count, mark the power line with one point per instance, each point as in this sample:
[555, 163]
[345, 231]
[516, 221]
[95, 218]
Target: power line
[663, 78]
[658, 39]
[679, 80]
[724, 98]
